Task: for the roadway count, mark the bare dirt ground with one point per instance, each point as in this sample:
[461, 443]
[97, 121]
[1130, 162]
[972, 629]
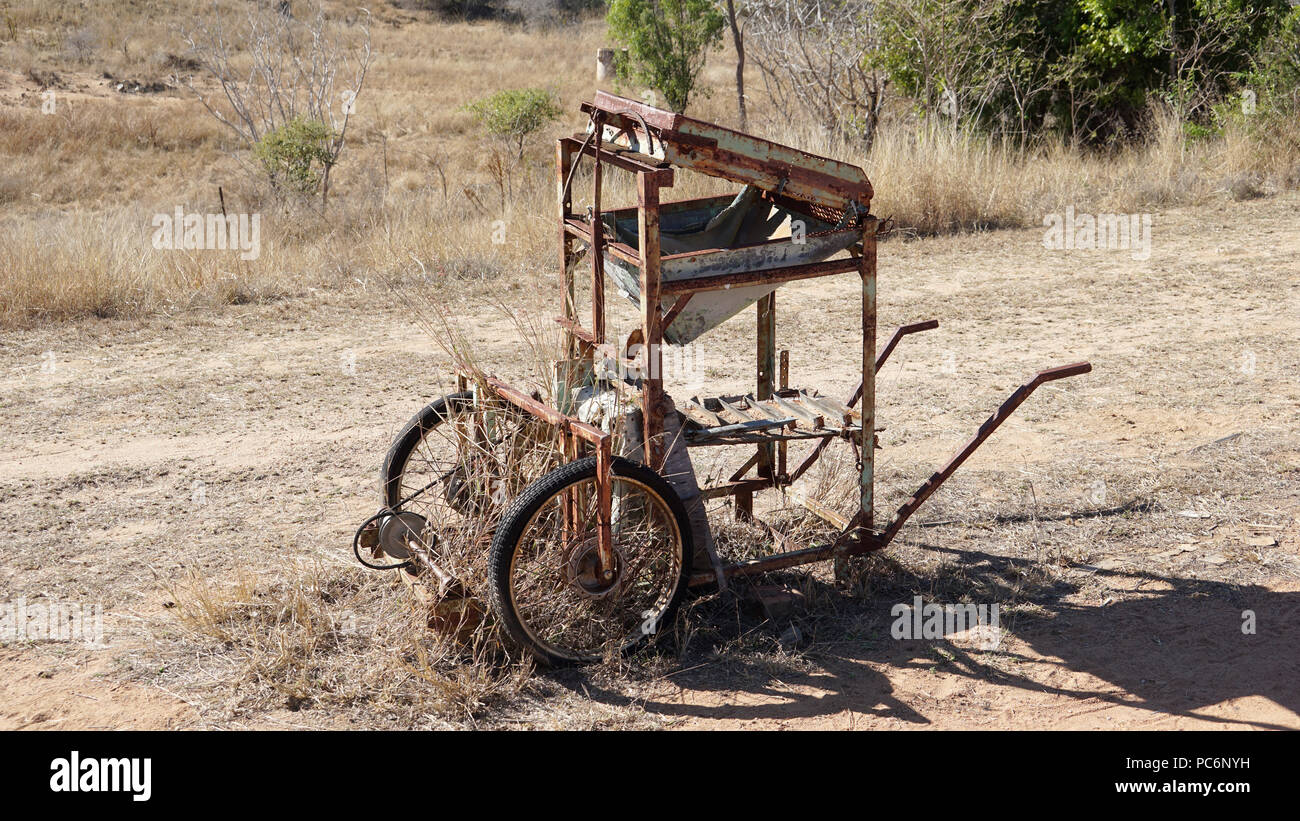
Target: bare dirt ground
[1125, 521]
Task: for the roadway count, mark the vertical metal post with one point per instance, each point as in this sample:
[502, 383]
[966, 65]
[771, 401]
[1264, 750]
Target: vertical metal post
[766, 370]
[604, 507]
[783, 383]
[867, 268]
[652, 389]
[597, 240]
[744, 506]
[569, 501]
[563, 165]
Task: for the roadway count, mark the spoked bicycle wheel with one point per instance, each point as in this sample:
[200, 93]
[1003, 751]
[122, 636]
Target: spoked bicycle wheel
[547, 588]
[457, 464]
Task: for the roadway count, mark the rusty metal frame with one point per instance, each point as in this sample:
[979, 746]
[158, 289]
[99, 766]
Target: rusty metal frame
[801, 182]
[572, 431]
[859, 537]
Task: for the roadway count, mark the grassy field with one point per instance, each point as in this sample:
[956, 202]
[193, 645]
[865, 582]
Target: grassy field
[415, 197]
[190, 438]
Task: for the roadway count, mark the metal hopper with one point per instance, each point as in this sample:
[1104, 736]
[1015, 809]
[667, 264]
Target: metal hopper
[794, 209]
[719, 237]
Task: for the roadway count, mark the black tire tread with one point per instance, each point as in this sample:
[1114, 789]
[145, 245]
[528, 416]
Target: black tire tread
[521, 511]
[429, 417]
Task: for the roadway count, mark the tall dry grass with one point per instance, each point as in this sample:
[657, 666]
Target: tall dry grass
[329, 639]
[419, 199]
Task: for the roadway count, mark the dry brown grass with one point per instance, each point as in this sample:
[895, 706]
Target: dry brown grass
[333, 640]
[115, 443]
[417, 200]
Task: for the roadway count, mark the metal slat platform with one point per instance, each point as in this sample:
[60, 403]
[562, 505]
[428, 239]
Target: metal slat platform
[789, 415]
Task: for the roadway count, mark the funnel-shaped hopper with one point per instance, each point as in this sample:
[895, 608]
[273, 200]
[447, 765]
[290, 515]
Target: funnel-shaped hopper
[722, 236]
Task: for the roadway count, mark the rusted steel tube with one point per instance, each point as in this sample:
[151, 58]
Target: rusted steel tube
[676, 309]
[564, 164]
[765, 378]
[721, 152]
[875, 542]
[652, 391]
[604, 507]
[621, 250]
[821, 511]
[985, 431]
[617, 106]
[597, 239]
[783, 382]
[899, 333]
[737, 486]
[546, 413]
[766, 564]
[578, 332]
[625, 161]
[743, 469]
[915, 327]
[867, 453]
[604, 463]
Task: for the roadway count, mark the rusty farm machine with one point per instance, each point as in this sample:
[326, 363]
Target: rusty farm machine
[592, 547]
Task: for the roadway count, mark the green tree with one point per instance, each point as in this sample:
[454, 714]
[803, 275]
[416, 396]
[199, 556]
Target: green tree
[298, 155]
[939, 53]
[667, 42]
[1087, 67]
[1275, 69]
[516, 113]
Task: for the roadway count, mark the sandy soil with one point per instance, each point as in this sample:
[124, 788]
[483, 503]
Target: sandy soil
[1125, 519]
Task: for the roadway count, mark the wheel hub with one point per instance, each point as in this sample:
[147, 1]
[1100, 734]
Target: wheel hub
[401, 531]
[584, 573]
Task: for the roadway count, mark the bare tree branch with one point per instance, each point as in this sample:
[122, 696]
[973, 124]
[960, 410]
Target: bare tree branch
[272, 68]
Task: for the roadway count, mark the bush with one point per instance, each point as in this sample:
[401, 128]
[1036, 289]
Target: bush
[1088, 68]
[514, 114]
[286, 84]
[297, 154]
[1275, 75]
[460, 9]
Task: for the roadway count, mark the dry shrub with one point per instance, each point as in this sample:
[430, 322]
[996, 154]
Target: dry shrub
[312, 636]
[344, 639]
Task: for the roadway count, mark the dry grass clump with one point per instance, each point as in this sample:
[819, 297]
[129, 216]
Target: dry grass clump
[333, 640]
[942, 181]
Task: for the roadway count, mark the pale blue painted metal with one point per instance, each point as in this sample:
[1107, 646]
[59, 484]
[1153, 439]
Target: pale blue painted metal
[723, 238]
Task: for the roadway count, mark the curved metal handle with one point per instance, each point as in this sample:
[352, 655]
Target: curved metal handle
[985, 431]
[1062, 372]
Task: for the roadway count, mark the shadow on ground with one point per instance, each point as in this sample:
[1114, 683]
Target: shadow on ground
[1168, 645]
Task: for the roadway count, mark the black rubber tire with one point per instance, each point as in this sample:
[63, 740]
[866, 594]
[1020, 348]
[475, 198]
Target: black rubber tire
[433, 414]
[520, 513]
